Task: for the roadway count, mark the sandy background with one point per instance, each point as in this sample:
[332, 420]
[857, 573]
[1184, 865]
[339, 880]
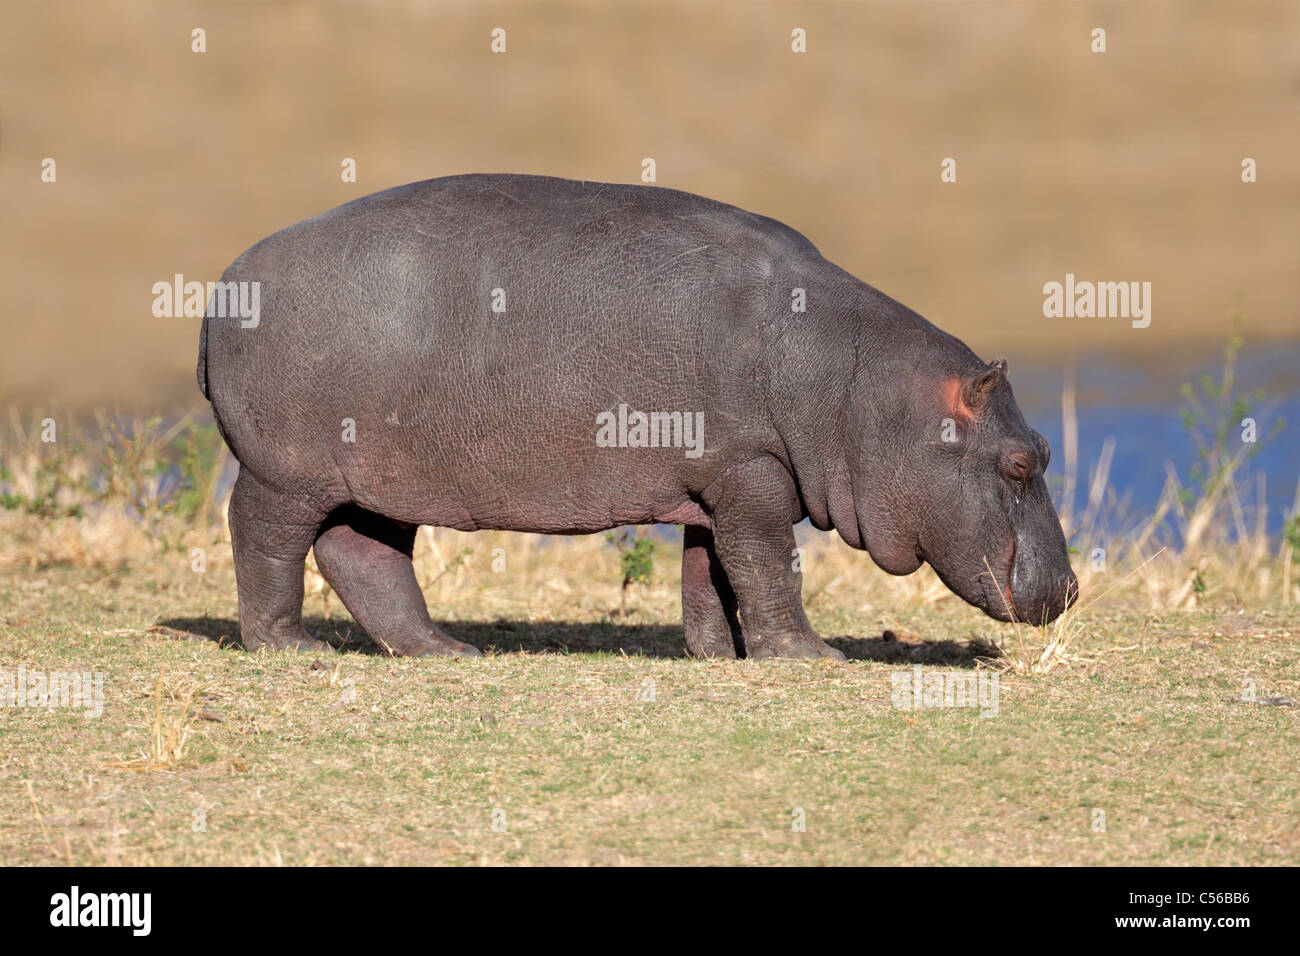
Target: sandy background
[1122, 166]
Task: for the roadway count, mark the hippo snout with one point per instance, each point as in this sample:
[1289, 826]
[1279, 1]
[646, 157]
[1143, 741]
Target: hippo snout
[1041, 598]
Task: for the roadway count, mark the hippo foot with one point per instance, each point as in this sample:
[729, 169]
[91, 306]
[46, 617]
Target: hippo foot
[436, 644]
[449, 648]
[710, 639]
[804, 650]
[719, 649]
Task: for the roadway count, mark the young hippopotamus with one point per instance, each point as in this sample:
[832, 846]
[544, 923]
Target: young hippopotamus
[537, 354]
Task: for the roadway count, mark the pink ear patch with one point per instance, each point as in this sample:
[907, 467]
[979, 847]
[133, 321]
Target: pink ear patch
[950, 390]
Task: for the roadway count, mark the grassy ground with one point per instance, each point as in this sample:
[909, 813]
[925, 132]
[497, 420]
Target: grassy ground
[601, 744]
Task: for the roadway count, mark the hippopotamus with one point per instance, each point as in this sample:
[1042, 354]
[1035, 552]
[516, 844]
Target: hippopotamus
[528, 353]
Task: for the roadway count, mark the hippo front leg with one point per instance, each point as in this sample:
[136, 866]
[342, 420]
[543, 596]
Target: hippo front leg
[753, 508]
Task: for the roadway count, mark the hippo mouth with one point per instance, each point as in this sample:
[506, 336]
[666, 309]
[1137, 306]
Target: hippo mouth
[995, 585]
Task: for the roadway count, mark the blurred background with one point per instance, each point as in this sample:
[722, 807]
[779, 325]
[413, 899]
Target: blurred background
[1122, 166]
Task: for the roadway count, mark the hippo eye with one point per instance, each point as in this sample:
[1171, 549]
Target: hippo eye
[1017, 466]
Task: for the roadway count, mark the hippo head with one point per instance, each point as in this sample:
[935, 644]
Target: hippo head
[960, 486]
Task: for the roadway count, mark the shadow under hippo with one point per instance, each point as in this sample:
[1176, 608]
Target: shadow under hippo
[572, 637]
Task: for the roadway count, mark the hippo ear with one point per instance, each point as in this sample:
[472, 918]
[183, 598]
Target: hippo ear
[981, 383]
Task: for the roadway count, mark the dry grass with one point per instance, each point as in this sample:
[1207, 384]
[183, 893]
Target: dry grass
[366, 759]
[172, 727]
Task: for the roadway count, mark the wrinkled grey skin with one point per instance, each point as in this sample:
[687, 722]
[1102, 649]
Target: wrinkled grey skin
[380, 312]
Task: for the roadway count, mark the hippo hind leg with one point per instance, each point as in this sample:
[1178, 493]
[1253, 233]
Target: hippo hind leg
[366, 558]
[709, 618]
[271, 534]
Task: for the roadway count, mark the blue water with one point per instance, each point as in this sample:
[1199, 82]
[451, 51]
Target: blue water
[1137, 403]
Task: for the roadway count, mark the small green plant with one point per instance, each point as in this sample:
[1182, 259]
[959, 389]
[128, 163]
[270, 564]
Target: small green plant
[456, 561]
[635, 560]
